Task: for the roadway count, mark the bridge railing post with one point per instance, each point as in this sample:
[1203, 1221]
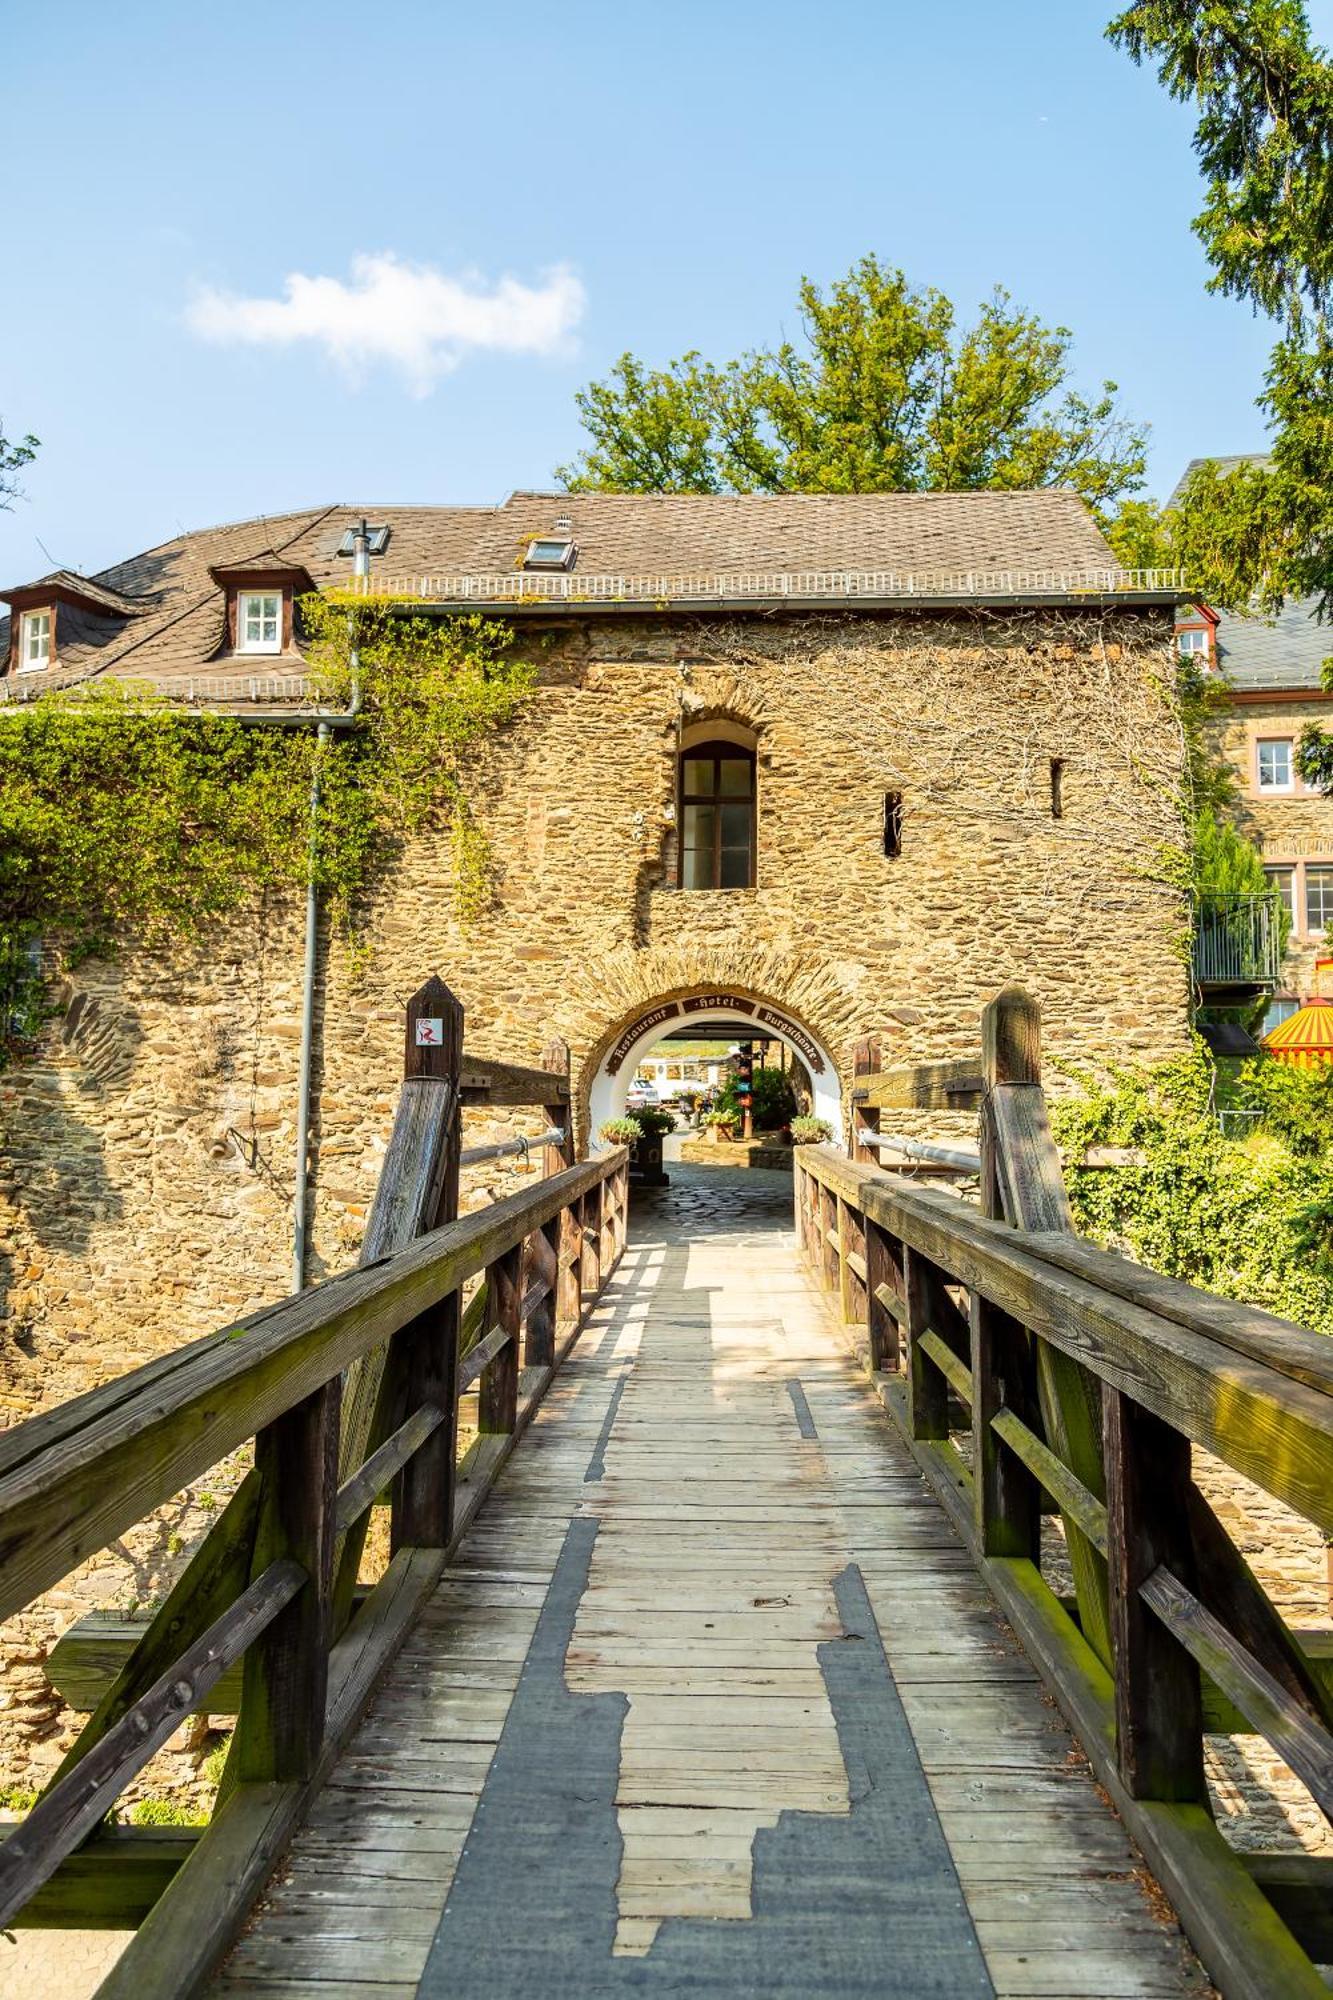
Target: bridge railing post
[284, 1689]
[865, 1062]
[1023, 1182]
[885, 1303]
[590, 1220]
[424, 1356]
[497, 1395]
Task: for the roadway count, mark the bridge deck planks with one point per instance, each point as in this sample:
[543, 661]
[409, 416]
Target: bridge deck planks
[690, 1357]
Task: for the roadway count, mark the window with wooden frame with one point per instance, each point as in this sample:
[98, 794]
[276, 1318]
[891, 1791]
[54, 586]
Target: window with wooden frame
[259, 621]
[34, 642]
[717, 816]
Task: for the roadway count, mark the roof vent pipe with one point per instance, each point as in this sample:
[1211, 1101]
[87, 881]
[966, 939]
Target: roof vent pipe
[361, 549]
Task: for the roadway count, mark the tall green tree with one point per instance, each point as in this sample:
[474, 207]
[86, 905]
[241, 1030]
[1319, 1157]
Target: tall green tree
[885, 392]
[1263, 97]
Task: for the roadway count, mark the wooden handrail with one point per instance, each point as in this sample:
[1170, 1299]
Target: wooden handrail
[96, 1465]
[348, 1389]
[1250, 1411]
[1172, 1626]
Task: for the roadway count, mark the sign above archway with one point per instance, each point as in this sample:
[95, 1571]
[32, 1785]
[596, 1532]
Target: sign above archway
[764, 1017]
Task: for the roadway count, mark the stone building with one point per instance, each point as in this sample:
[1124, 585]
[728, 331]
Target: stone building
[841, 763]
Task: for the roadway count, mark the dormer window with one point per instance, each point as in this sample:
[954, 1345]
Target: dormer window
[35, 642]
[550, 552]
[259, 621]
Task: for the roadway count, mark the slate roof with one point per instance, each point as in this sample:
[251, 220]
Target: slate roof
[173, 621]
[1287, 652]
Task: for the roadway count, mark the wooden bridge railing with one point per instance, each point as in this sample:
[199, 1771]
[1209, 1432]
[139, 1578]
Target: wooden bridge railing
[1000, 1322]
[349, 1389]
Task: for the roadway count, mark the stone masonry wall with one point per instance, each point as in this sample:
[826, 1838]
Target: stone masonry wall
[146, 1150]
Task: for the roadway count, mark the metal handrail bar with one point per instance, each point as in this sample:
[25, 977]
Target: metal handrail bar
[472, 1156]
[964, 1161]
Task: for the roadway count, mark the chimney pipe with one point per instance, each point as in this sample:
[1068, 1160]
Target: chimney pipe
[361, 549]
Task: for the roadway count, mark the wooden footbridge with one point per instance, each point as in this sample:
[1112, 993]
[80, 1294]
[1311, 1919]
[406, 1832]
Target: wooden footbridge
[746, 1677]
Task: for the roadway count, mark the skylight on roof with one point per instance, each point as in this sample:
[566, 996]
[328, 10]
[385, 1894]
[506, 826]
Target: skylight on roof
[550, 552]
[378, 538]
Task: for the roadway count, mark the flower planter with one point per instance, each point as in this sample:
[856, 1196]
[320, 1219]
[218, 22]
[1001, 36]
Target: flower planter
[645, 1162]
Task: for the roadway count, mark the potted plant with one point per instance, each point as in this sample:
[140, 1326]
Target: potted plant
[719, 1125]
[646, 1166]
[622, 1132]
[810, 1131]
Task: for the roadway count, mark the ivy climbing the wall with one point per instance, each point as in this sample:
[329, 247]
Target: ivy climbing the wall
[120, 812]
[1235, 1192]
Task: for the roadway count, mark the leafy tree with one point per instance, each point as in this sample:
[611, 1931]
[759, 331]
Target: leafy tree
[772, 1101]
[1263, 93]
[15, 453]
[1225, 862]
[886, 392]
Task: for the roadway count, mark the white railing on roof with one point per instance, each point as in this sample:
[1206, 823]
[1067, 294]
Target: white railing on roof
[200, 687]
[571, 587]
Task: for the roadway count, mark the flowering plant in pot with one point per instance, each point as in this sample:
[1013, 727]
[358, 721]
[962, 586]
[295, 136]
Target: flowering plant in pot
[621, 1131]
[719, 1124]
[810, 1131]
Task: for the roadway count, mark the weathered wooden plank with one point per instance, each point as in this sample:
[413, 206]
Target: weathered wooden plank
[1158, 1705]
[60, 1819]
[885, 1308]
[1232, 1592]
[106, 1459]
[1261, 1336]
[284, 1685]
[1305, 1744]
[954, 1371]
[953, 1084]
[1002, 1382]
[189, 1928]
[1300, 1888]
[365, 1488]
[485, 1081]
[111, 1882]
[497, 1398]
[1074, 1498]
[926, 1387]
[480, 1356]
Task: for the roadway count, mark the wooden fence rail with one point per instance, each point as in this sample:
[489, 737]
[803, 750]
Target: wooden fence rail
[349, 1390]
[1000, 1323]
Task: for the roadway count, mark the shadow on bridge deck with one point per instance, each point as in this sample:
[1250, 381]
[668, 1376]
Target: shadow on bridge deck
[713, 1701]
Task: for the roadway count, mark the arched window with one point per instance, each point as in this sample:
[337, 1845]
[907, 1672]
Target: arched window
[717, 815]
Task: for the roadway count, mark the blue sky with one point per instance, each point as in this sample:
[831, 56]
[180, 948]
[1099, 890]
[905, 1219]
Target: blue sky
[643, 177]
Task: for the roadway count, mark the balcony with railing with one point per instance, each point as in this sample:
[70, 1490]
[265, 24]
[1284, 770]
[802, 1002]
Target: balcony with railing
[1236, 948]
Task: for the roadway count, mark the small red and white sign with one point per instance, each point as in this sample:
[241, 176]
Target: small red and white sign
[430, 1031]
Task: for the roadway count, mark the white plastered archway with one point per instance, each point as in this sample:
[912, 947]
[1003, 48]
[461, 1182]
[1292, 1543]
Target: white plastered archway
[606, 1097]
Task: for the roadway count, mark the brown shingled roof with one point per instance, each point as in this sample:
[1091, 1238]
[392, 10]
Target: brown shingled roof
[177, 626]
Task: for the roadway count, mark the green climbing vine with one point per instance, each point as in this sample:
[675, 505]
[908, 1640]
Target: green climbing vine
[120, 813]
[1235, 1189]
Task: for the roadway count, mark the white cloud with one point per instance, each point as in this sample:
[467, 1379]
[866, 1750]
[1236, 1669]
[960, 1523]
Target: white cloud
[413, 316]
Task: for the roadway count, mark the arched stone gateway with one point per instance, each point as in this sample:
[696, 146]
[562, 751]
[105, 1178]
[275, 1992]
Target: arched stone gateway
[613, 1063]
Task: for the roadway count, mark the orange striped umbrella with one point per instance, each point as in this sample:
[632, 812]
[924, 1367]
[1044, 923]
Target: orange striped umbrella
[1305, 1038]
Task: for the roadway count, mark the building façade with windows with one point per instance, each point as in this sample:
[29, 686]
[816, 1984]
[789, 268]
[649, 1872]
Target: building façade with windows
[1270, 675]
[836, 764]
